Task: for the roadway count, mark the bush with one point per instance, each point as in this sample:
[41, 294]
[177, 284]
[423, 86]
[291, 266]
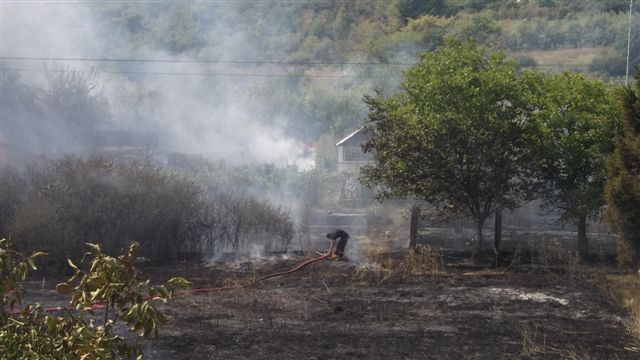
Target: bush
[526, 61]
[610, 64]
[236, 222]
[75, 200]
[11, 189]
[112, 283]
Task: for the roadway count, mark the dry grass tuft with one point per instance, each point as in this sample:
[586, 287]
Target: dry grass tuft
[534, 345]
[626, 288]
[384, 265]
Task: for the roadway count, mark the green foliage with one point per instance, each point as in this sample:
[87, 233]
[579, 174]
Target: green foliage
[482, 27]
[14, 268]
[614, 63]
[456, 136]
[411, 9]
[589, 29]
[579, 118]
[34, 335]
[114, 282]
[610, 63]
[622, 190]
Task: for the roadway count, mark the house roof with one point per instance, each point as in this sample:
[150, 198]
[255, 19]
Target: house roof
[350, 136]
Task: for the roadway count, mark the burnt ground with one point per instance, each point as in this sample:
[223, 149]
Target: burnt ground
[341, 310]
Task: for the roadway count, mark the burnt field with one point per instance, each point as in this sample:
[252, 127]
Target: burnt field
[395, 308]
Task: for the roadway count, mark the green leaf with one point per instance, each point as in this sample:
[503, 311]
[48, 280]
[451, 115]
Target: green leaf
[72, 265]
[38, 254]
[94, 248]
[64, 288]
[178, 282]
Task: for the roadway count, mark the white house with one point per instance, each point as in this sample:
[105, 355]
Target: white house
[350, 154]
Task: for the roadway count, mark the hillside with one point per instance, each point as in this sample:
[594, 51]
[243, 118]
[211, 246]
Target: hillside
[293, 72]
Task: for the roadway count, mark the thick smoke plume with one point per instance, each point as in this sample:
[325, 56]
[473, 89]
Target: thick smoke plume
[219, 111]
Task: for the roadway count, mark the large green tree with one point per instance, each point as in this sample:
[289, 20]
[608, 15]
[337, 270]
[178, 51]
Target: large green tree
[578, 116]
[456, 135]
[622, 190]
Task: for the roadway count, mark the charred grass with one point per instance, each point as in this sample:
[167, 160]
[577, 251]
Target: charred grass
[402, 305]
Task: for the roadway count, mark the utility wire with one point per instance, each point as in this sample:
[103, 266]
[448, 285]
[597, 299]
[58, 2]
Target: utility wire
[227, 62]
[236, 62]
[189, 73]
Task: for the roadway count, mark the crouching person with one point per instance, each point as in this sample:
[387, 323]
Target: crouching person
[342, 237]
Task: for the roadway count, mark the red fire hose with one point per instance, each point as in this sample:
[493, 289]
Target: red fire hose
[251, 283]
[98, 306]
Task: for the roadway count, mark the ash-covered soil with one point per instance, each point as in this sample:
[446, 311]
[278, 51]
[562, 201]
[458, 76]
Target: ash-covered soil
[341, 310]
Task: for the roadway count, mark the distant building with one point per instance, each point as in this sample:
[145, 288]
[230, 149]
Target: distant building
[350, 154]
[350, 159]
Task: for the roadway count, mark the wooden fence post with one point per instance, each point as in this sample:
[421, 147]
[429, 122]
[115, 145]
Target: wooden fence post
[413, 232]
[497, 229]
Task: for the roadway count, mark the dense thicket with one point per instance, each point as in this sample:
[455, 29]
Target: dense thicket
[623, 187]
[58, 205]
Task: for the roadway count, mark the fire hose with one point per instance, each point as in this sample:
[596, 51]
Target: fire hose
[99, 306]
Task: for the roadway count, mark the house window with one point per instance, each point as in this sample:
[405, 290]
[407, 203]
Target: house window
[354, 153]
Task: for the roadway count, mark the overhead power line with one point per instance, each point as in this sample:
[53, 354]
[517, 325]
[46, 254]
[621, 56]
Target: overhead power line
[196, 61]
[204, 74]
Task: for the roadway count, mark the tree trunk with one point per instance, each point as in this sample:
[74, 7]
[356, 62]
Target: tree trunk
[478, 248]
[583, 248]
[635, 238]
[413, 232]
[636, 260]
[497, 229]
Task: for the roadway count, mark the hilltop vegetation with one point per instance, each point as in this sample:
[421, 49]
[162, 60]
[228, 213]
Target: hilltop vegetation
[322, 36]
[300, 67]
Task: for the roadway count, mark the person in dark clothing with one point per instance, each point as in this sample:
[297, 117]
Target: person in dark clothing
[342, 238]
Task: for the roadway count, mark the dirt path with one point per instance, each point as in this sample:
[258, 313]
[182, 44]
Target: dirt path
[336, 311]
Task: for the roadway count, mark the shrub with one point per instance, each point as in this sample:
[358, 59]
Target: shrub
[11, 190]
[112, 282]
[74, 200]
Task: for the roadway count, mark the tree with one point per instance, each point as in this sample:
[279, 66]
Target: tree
[456, 135]
[76, 109]
[578, 117]
[622, 190]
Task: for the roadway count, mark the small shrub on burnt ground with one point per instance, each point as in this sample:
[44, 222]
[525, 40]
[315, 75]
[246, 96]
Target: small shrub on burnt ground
[65, 203]
[420, 261]
[236, 222]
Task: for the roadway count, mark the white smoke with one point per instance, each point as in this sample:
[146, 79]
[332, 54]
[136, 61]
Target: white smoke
[218, 117]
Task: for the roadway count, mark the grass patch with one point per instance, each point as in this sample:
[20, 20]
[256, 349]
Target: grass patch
[564, 59]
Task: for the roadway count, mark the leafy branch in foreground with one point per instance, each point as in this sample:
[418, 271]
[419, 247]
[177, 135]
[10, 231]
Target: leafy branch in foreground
[113, 284]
